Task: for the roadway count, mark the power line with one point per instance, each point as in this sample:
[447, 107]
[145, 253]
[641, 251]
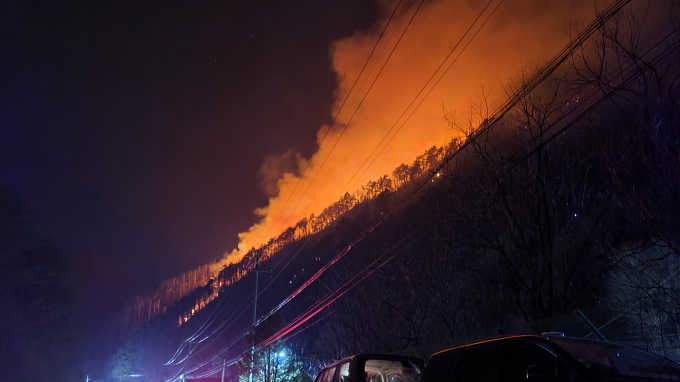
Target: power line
[355, 111]
[221, 329]
[343, 130]
[539, 77]
[201, 329]
[349, 284]
[338, 257]
[213, 314]
[345, 127]
[325, 135]
[306, 327]
[433, 75]
[329, 299]
[605, 97]
[421, 91]
[527, 88]
[531, 85]
[332, 123]
[612, 91]
[423, 99]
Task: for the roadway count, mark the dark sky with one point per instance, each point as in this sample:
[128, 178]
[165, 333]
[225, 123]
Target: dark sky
[136, 128]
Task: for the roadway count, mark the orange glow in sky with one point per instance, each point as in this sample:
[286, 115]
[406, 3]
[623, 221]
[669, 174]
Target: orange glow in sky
[522, 33]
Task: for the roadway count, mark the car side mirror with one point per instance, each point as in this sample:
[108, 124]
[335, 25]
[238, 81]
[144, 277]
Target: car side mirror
[541, 373]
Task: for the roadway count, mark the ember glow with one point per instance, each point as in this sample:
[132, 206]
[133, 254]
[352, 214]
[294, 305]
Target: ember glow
[400, 177]
[520, 34]
[202, 302]
[149, 305]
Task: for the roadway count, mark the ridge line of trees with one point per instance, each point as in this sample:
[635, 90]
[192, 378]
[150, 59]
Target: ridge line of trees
[148, 305]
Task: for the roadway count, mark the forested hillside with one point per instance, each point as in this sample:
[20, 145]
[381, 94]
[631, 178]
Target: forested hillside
[560, 213]
[152, 303]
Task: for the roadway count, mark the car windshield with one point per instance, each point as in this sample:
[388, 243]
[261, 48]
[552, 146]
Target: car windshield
[610, 359]
[377, 370]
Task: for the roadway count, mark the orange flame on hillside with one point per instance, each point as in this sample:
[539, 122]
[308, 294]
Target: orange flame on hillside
[152, 303]
[520, 33]
[400, 177]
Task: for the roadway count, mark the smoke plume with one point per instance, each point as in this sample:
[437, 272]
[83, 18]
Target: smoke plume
[521, 34]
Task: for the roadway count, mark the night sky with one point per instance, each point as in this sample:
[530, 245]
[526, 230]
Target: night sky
[135, 129]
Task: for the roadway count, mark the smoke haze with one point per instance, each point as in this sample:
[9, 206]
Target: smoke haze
[522, 33]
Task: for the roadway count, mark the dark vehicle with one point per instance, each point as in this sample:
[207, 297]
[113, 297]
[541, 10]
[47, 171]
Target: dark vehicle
[373, 368]
[549, 358]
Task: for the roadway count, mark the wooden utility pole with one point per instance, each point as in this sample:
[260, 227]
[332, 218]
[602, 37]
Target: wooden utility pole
[252, 343]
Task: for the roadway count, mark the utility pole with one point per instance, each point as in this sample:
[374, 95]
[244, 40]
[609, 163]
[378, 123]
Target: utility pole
[252, 344]
[224, 365]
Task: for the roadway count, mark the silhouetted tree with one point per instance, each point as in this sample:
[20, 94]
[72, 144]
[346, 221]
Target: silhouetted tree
[400, 175]
[39, 325]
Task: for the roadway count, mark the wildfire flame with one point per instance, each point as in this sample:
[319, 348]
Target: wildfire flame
[400, 177]
[517, 36]
[519, 33]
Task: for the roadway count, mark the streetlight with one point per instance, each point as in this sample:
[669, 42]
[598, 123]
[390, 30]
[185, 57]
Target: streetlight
[279, 355]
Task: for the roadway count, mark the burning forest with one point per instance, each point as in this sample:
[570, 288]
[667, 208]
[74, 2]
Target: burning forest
[529, 221]
[432, 174]
[217, 276]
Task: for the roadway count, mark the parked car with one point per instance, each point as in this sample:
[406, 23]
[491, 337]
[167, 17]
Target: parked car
[373, 368]
[547, 359]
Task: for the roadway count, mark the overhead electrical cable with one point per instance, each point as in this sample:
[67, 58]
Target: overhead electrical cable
[192, 339]
[341, 254]
[306, 327]
[199, 331]
[333, 296]
[331, 124]
[320, 144]
[349, 284]
[423, 89]
[539, 77]
[340, 136]
[592, 106]
[375, 63]
[520, 94]
[421, 101]
[342, 132]
[651, 63]
[212, 315]
[345, 127]
[611, 91]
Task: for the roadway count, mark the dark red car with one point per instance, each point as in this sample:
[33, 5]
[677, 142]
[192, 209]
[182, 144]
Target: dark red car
[547, 359]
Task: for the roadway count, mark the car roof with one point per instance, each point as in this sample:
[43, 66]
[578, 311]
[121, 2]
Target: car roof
[528, 337]
[340, 361]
